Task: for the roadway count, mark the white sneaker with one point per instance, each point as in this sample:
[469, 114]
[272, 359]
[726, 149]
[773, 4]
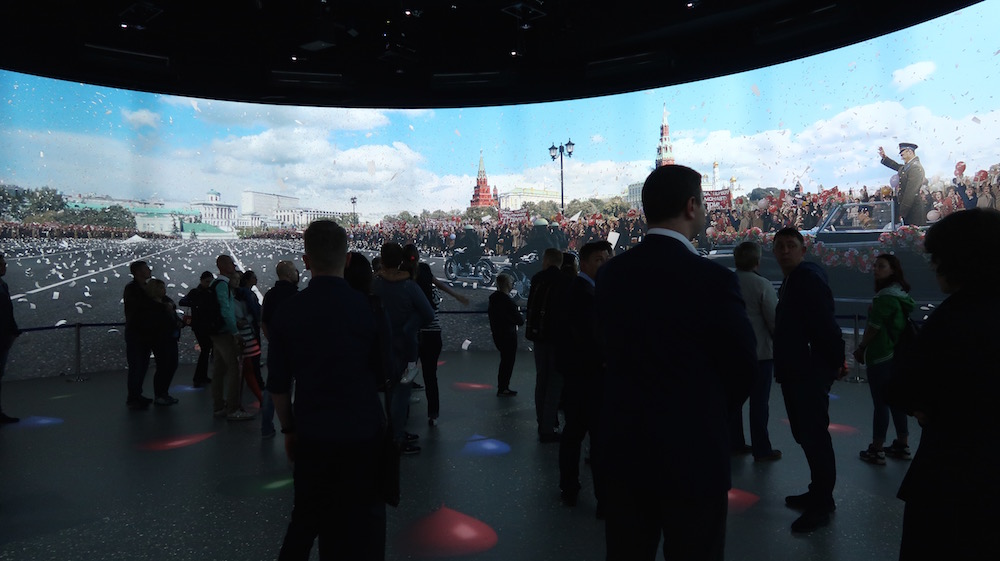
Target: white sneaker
[239, 415]
[410, 373]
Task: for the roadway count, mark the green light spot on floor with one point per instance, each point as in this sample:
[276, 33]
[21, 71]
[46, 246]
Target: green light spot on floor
[278, 484]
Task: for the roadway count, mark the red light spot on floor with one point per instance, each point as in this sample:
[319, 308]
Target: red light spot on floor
[441, 362]
[469, 386]
[175, 441]
[741, 501]
[835, 428]
[843, 429]
[447, 533]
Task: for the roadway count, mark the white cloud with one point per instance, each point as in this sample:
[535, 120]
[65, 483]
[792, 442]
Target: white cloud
[231, 113]
[305, 161]
[141, 118]
[913, 74]
[596, 139]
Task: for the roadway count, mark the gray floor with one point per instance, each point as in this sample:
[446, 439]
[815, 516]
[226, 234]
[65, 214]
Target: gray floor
[77, 480]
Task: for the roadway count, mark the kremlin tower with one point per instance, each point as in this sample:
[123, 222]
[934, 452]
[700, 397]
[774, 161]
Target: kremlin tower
[482, 196]
[664, 150]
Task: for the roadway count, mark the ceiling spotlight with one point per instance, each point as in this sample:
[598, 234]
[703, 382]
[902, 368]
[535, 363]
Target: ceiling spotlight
[514, 53]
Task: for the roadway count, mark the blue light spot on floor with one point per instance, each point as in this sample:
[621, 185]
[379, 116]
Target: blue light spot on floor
[36, 421]
[485, 447]
[181, 388]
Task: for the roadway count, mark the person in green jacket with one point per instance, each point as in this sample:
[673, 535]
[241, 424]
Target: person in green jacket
[886, 318]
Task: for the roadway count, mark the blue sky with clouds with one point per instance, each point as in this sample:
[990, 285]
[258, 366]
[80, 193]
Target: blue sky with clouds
[818, 120]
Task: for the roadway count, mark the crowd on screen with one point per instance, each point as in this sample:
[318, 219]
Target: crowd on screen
[38, 230]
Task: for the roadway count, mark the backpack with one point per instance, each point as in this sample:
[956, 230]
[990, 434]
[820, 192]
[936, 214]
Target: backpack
[899, 391]
[906, 339]
[207, 315]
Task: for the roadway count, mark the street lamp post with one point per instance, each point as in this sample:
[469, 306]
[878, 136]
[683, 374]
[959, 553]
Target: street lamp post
[354, 209]
[553, 151]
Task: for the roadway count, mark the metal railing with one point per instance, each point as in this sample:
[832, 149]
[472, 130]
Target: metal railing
[858, 318]
[77, 355]
[77, 375]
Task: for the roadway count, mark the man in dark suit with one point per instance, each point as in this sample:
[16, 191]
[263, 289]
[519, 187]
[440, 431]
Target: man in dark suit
[583, 368]
[663, 432]
[542, 328]
[323, 340]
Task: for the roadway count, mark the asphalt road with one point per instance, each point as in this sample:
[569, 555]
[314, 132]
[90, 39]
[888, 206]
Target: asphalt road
[64, 282]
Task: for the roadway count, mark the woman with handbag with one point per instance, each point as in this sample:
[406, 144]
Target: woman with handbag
[429, 339]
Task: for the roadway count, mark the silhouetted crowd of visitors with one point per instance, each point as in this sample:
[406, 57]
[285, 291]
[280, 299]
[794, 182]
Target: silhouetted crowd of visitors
[662, 407]
[349, 345]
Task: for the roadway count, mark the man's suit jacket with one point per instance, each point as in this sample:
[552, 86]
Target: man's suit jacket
[680, 353]
[580, 345]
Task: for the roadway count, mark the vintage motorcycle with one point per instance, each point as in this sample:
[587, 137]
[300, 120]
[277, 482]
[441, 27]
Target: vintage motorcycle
[483, 271]
[521, 269]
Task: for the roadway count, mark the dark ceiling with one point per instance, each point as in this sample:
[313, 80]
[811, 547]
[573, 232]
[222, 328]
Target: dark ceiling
[417, 53]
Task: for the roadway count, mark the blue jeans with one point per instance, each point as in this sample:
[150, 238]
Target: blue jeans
[878, 382]
[760, 395]
[165, 353]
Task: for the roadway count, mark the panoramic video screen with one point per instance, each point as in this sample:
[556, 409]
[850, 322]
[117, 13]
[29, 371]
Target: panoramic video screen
[93, 178]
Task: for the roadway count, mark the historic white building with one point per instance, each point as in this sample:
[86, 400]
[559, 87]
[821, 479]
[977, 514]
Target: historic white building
[513, 199]
[266, 204]
[215, 212]
[301, 217]
[150, 216]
